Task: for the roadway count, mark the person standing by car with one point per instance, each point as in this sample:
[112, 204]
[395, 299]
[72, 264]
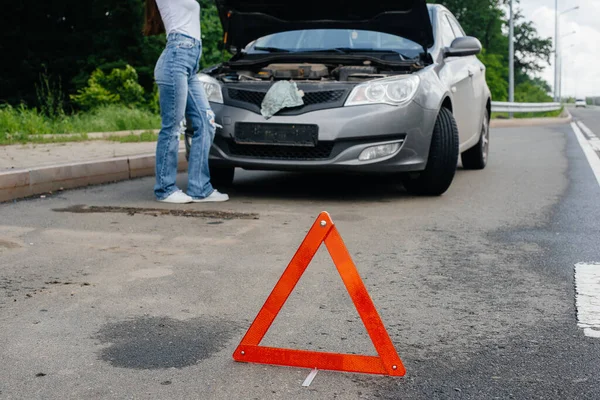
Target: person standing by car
[181, 94]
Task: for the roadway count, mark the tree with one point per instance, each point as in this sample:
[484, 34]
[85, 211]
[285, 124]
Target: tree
[212, 34]
[496, 75]
[531, 51]
[485, 19]
[480, 18]
[72, 39]
[527, 92]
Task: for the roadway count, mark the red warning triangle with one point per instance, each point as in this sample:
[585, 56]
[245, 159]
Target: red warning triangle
[386, 363]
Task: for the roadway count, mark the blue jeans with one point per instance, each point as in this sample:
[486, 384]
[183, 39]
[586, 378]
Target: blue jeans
[182, 95]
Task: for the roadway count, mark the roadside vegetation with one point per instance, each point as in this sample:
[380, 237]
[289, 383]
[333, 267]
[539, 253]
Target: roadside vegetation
[543, 114]
[85, 80]
[147, 136]
[22, 125]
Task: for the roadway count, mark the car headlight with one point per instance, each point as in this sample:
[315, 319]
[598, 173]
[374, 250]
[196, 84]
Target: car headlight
[212, 88]
[393, 91]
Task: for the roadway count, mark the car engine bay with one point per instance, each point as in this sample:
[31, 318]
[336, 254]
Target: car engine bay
[307, 72]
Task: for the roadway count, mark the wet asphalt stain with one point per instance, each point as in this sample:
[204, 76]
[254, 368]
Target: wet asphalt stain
[8, 245]
[161, 342]
[156, 212]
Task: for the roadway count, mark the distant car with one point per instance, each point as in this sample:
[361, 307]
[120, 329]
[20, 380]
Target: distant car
[392, 86]
[580, 103]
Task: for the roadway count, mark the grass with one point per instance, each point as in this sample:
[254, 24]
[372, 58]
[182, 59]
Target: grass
[545, 114]
[23, 125]
[143, 137]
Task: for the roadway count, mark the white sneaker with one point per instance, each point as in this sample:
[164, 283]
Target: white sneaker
[177, 197]
[215, 196]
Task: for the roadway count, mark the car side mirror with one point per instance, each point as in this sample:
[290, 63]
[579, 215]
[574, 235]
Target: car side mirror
[463, 46]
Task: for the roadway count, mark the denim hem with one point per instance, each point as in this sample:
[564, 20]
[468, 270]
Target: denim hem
[202, 198]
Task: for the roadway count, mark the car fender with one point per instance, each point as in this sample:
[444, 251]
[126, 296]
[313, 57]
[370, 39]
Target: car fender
[432, 92]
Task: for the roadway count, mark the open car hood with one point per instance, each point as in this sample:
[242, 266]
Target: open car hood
[245, 21]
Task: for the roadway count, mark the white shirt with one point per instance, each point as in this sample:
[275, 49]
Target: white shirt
[181, 16]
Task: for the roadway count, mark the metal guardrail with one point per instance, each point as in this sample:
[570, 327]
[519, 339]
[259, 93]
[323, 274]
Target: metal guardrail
[502, 106]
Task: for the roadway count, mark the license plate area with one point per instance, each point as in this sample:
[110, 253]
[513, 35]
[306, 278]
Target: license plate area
[301, 135]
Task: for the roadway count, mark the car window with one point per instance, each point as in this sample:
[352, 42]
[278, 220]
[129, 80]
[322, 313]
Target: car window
[458, 32]
[323, 39]
[446, 30]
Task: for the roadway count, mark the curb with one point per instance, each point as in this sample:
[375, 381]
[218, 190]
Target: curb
[106, 135]
[98, 135]
[25, 183]
[521, 122]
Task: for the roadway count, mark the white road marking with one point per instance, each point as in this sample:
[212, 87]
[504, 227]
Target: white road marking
[588, 150]
[593, 138]
[587, 275]
[586, 130]
[587, 287]
[310, 377]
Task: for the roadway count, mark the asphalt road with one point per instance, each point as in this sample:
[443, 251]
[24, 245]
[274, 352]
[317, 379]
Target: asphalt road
[476, 288]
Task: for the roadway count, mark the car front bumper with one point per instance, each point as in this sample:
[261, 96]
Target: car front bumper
[344, 133]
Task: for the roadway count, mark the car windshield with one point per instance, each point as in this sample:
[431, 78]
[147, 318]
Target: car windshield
[340, 40]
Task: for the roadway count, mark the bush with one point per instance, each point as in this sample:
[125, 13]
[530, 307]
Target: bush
[529, 92]
[152, 103]
[119, 87]
[496, 75]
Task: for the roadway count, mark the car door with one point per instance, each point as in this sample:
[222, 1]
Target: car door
[457, 74]
[477, 74]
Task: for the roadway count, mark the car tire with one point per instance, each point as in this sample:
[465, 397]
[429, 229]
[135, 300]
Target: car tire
[477, 156]
[221, 176]
[439, 172]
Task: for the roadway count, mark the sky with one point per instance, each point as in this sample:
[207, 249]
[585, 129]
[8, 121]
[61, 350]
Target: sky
[580, 51]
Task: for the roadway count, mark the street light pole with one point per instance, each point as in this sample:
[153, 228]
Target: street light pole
[511, 58]
[556, 51]
[560, 78]
[557, 66]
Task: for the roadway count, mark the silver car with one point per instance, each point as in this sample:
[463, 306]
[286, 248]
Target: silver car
[389, 87]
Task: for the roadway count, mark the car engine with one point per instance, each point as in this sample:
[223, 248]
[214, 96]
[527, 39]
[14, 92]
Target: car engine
[307, 72]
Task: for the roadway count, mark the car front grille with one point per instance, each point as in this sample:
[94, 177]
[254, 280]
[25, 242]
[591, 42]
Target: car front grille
[321, 151]
[247, 96]
[310, 98]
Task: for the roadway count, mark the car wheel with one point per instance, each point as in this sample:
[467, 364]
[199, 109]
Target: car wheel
[441, 163]
[221, 176]
[477, 156]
